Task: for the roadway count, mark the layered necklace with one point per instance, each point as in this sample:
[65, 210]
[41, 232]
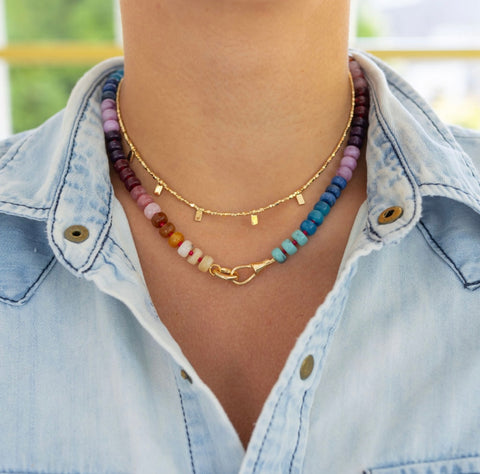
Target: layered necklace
[115, 130]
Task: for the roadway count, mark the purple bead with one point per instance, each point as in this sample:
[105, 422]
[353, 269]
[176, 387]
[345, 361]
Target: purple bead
[357, 132]
[111, 126]
[137, 192]
[114, 145]
[116, 155]
[108, 104]
[109, 114]
[359, 122]
[114, 135]
[348, 162]
[144, 200]
[362, 100]
[356, 141]
[352, 151]
[360, 82]
[126, 173]
[345, 173]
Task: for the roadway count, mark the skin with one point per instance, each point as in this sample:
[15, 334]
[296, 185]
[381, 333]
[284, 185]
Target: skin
[235, 103]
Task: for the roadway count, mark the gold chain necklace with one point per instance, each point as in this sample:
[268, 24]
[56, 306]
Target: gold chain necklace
[253, 213]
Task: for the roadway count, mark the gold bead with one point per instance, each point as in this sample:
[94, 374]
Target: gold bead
[176, 239]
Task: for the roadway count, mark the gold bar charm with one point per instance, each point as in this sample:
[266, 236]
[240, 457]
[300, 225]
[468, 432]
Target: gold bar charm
[300, 199]
[158, 190]
[198, 215]
[254, 219]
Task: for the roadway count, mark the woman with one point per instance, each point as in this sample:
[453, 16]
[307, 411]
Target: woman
[359, 352]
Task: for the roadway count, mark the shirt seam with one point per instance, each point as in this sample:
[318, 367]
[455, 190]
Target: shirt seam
[186, 431]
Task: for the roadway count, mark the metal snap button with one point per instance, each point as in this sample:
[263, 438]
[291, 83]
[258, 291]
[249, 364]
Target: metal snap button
[185, 376]
[390, 215]
[76, 233]
[306, 368]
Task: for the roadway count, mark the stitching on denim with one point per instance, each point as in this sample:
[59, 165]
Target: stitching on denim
[186, 431]
[423, 112]
[27, 207]
[298, 433]
[40, 276]
[322, 355]
[123, 252]
[455, 188]
[17, 151]
[466, 284]
[87, 97]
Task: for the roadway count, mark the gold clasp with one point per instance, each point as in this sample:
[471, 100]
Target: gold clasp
[231, 274]
[255, 267]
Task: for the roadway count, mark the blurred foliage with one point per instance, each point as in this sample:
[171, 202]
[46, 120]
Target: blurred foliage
[37, 92]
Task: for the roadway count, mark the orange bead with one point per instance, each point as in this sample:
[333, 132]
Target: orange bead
[167, 230]
[176, 239]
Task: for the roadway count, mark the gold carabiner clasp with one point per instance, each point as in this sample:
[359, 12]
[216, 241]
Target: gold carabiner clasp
[256, 269]
[223, 272]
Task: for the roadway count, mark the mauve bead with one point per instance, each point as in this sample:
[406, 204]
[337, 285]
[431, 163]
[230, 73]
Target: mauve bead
[108, 104]
[111, 126]
[137, 192]
[345, 173]
[360, 82]
[109, 114]
[159, 219]
[116, 155]
[119, 165]
[357, 132]
[349, 162]
[356, 141]
[152, 209]
[113, 135]
[356, 73]
[131, 183]
[166, 230]
[126, 173]
[144, 200]
[352, 151]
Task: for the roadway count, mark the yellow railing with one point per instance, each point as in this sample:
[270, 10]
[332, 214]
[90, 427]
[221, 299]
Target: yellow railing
[78, 53]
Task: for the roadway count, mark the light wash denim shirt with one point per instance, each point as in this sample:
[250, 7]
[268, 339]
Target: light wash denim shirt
[91, 380]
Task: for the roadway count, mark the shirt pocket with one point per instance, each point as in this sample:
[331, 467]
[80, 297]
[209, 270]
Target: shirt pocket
[467, 465]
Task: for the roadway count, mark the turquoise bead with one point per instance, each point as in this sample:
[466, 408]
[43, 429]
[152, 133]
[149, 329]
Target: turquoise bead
[308, 226]
[289, 247]
[316, 216]
[300, 237]
[278, 255]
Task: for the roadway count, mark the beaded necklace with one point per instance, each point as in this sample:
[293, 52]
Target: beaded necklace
[185, 248]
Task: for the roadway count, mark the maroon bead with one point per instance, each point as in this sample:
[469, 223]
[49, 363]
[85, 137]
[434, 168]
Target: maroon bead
[360, 111]
[359, 122]
[159, 219]
[126, 173]
[355, 141]
[131, 183]
[167, 230]
[361, 90]
[116, 155]
[113, 135]
[362, 100]
[119, 165]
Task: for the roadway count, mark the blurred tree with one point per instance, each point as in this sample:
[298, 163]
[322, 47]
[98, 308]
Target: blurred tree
[37, 92]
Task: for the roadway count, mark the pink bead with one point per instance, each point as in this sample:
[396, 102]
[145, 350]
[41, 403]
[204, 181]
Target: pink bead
[151, 209]
[109, 114]
[348, 162]
[352, 151]
[108, 104]
[356, 72]
[137, 191]
[144, 200]
[111, 126]
[345, 173]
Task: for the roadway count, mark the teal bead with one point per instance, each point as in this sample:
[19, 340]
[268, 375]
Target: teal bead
[316, 216]
[300, 237]
[278, 255]
[289, 247]
[323, 207]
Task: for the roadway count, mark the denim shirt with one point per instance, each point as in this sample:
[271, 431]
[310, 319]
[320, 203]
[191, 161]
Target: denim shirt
[92, 382]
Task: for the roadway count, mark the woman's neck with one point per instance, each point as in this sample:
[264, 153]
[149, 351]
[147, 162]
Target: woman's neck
[243, 98]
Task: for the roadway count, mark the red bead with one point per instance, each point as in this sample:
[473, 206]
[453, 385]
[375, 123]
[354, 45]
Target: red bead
[284, 251]
[131, 183]
[305, 233]
[200, 259]
[126, 173]
[190, 253]
[120, 165]
[294, 242]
